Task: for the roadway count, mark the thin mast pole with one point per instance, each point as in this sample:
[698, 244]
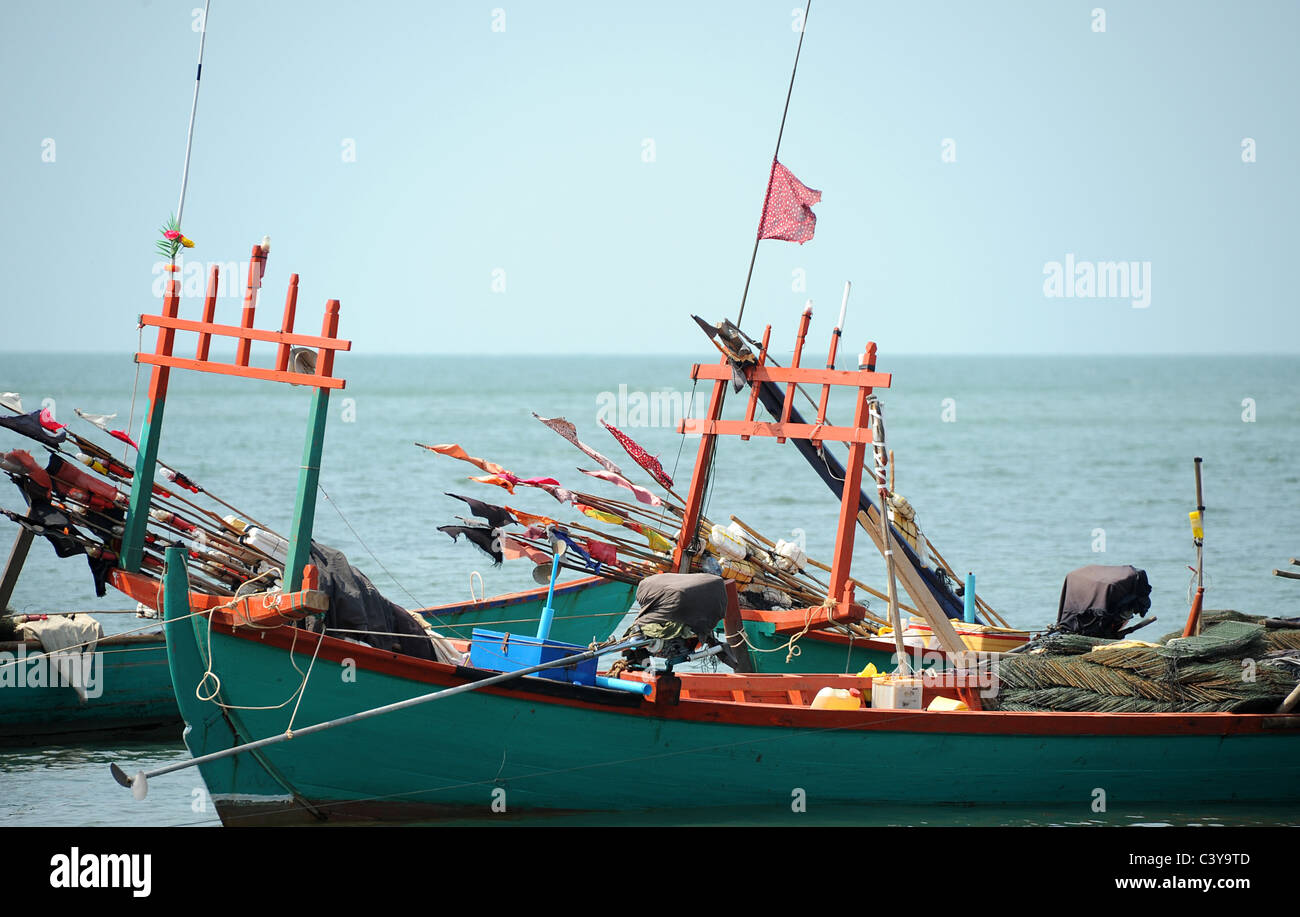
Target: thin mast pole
[194, 107]
[779, 134]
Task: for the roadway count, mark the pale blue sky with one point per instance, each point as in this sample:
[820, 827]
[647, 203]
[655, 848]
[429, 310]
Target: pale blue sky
[522, 150]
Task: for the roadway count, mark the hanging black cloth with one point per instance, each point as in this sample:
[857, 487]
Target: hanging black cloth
[496, 516]
[483, 538]
[46, 521]
[29, 425]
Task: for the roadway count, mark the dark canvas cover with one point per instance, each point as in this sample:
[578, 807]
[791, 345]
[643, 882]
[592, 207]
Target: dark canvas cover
[356, 605]
[694, 600]
[1098, 600]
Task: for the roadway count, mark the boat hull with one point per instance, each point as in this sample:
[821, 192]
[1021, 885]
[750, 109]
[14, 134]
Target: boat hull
[131, 690]
[540, 746]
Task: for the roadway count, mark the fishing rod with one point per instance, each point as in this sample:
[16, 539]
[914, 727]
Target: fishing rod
[108, 527]
[95, 550]
[168, 516]
[139, 784]
[160, 494]
[86, 514]
[174, 475]
[98, 451]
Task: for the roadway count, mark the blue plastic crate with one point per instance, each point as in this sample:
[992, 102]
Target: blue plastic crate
[501, 652]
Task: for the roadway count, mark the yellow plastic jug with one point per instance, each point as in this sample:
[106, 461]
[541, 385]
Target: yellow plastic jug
[837, 699]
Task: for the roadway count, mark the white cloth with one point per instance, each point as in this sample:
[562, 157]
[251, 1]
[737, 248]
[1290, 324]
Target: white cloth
[69, 641]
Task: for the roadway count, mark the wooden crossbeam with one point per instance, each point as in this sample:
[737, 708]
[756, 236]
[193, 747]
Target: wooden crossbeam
[791, 374]
[315, 342]
[248, 372]
[750, 428]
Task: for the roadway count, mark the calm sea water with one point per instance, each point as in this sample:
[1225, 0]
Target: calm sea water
[1020, 469]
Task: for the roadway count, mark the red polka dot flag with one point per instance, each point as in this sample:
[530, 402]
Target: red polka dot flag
[787, 212]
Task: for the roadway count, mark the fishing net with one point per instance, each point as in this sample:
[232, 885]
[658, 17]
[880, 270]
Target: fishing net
[1237, 663]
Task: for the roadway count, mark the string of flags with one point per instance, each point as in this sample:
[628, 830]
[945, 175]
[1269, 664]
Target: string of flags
[766, 578]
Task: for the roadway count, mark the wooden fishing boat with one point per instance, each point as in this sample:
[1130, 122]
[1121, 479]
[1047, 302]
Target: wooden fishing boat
[130, 682]
[711, 740]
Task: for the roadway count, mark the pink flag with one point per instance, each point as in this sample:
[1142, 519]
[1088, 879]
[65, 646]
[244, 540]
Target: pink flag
[787, 211]
[511, 549]
[570, 432]
[640, 456]
[641, 493]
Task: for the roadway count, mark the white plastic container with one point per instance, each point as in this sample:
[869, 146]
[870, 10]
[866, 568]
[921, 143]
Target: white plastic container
[727, 543]
[793, 556]
[896, 692]
[266, 542]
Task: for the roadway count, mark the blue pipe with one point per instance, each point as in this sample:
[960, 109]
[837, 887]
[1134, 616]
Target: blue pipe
[548, 613]
[619, 684]
[968, 612]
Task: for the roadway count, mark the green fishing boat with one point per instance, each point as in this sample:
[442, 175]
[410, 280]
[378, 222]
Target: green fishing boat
[125, 685]
[715, 740]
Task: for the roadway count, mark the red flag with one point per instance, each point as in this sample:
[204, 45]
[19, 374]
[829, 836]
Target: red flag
[787, 212]
[640, 456]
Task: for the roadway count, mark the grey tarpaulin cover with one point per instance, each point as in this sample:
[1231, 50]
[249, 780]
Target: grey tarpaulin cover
[697, 601]
[1097, 601]
[356, 605]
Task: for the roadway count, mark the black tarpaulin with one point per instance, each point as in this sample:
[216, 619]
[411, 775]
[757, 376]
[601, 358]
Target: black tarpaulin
[358, 610]
[1097, 600]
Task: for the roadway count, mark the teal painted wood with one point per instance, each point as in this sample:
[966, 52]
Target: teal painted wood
[131, 688]
[819, 656]
[304, 506]
[137, 517]
[207, 725]
[450, 756]
[585, 610]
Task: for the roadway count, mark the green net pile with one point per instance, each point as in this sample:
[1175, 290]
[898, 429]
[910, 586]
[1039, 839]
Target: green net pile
[1237, 663]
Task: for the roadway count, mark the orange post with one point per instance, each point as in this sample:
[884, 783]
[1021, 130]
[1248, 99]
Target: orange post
[209, 313]
[699, 481]
[753, 389]
[286, 324]
[256, 267]
[826, 388]
[804, 320]
[841, 586]
[329, 329]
